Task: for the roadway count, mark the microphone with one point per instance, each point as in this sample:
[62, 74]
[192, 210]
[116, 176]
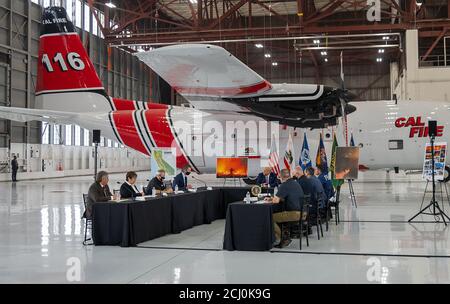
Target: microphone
[203, 182]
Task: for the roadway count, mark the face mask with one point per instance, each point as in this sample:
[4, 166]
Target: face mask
[187, 173]
[162, 177]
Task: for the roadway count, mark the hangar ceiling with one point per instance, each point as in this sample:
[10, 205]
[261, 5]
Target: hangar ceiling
[287, 30]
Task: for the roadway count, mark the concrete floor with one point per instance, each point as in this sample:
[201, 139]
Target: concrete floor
[41, 234]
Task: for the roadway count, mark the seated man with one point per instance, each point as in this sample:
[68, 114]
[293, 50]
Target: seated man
[267, 178]
[290, 196]
[128, 188]
[303, 181]
[317, 192]
[158, 183]
[98, 192]
[326, 183]
[180, 180]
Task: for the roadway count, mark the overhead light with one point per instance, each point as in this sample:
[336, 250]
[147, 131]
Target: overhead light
[419, 3]
[381, 51]
[267, 55]
[110, 5]
[379, 59]
[274, 63]
[326, 59]
[193, 1]
[323, 53]
[316, 41]
[259, 45]
[385, 37]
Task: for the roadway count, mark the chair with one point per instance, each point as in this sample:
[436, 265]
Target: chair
[304, 220]
[318, 202]
[88, 222]
[335, 204]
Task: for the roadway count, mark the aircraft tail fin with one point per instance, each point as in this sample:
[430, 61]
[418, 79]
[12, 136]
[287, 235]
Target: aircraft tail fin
[64, 67]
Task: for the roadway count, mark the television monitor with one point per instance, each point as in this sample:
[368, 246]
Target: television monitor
[232, 167]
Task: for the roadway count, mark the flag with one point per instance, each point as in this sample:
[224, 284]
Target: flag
[352, 141]
[321, 157]
[289, 155]
[273, 158]
[305, 160]
[336, 182]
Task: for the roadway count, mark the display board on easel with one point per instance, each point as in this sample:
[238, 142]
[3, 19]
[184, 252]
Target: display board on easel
[164, 158]
[440, 155]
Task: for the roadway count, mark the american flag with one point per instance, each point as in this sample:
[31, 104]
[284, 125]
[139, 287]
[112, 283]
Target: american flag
[273, 158]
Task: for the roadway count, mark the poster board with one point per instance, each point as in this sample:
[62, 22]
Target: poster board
[164, 158]
[347, 162]
[231, 167]
[440, 155]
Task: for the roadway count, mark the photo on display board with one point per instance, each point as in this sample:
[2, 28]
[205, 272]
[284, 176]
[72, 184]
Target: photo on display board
[347, 162]
[440, 154]
[232, 167]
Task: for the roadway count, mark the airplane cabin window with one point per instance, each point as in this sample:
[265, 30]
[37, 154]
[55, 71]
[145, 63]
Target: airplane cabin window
[395, 144]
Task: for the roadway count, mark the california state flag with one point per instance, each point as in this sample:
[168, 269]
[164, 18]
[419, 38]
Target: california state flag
[289, 155]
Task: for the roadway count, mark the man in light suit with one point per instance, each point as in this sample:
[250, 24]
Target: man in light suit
[181, 180]
[267, 177]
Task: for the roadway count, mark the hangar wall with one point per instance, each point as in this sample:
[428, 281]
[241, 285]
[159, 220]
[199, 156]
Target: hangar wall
[428, 83]
[122, 74]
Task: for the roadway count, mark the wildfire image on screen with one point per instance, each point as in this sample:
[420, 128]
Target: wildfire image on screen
[232, 167]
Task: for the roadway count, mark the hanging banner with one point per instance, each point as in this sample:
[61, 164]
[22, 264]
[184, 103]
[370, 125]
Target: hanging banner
[440, 154]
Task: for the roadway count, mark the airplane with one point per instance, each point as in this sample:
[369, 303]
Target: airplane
[221, 91]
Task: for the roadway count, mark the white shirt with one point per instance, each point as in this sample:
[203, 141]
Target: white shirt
[136, 190]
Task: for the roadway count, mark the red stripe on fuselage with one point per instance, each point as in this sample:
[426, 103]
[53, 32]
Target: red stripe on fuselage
[161, 132]
[126, 128]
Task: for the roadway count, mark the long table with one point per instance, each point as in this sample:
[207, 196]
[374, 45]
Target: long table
[128, 223]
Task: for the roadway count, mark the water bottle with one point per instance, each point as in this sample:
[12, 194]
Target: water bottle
[153, 191]
[247, 198]
[176, 188]
[275, 190]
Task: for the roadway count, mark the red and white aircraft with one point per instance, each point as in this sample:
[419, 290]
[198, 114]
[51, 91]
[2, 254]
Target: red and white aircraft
[221, 91]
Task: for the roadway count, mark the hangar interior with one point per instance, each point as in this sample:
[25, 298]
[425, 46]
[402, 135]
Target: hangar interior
[403, 55]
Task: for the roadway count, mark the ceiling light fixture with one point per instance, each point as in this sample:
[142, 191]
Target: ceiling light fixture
[267, 55]
[110, 5]
[259, 45]
[274, 63]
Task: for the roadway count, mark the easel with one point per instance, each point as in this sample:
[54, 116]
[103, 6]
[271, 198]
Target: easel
[234, 181]
[433, 208]
[442, 185]
[352, 193]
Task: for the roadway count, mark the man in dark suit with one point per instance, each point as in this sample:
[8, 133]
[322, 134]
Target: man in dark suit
[326, 183]
[300, 177]
[14, 168]
[267, 178]
[98, 192]
[128, 188]
[180, 180]
[317, 192]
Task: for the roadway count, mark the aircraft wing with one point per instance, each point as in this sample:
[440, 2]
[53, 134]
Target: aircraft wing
[25, 115]
[195, 70]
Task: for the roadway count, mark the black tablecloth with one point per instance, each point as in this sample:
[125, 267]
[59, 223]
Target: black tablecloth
[132, 222]
[249, 227]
